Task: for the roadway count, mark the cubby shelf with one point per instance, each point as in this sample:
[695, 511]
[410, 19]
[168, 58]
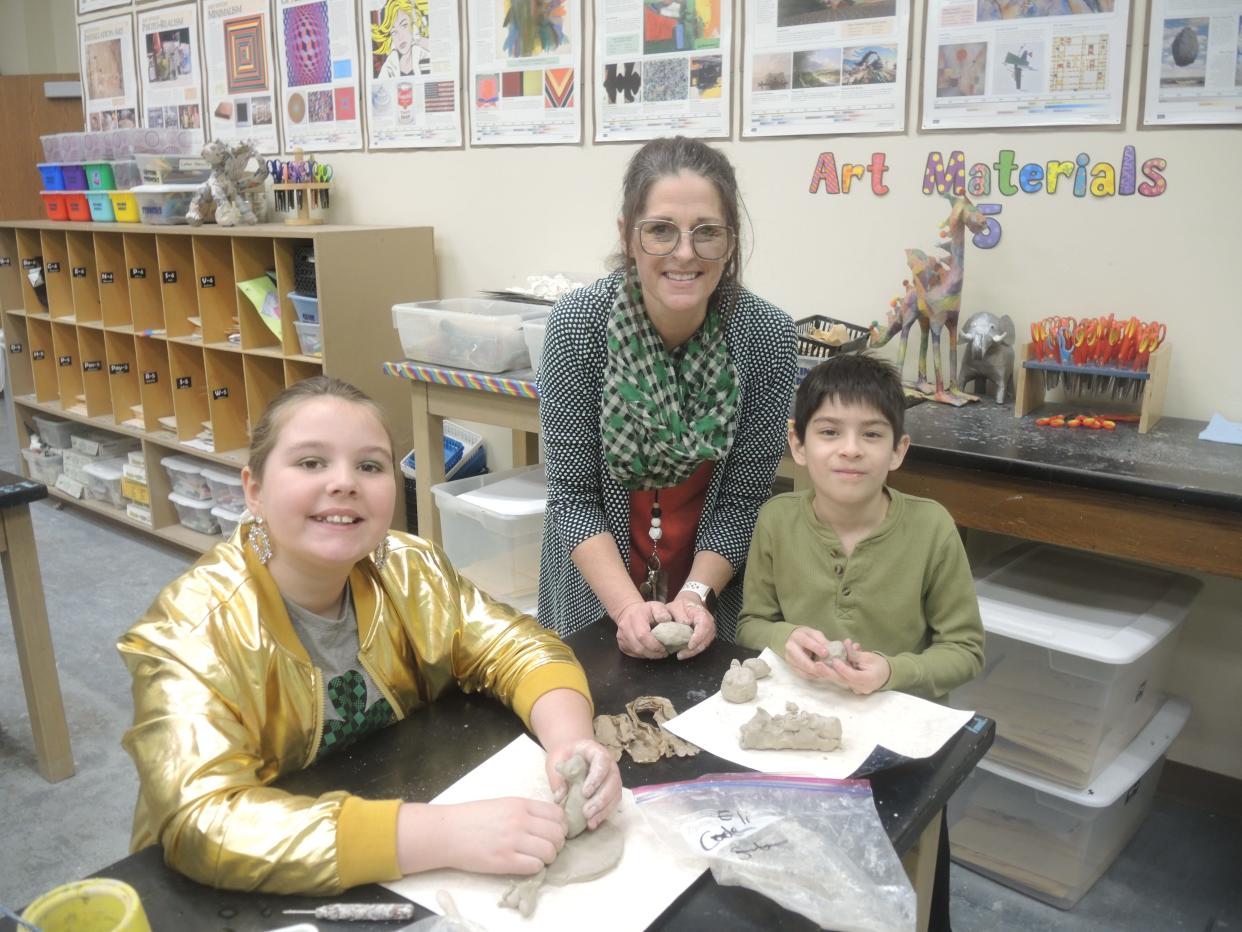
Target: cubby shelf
[132, 324]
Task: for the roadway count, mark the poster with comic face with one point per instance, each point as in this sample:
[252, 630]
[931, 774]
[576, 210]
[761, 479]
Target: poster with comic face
[317, 60]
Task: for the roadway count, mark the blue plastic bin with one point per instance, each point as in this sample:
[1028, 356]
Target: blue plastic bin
[306, 307]
[53, 176]
[101, 206]
[464, 456]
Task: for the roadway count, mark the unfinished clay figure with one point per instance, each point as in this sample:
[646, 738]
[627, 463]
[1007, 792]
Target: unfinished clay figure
[795, 730]
[738, 684]
[673, 635]
[644, 741]
[837, 651]
[590, 855]
[574, 771]
[758, 667]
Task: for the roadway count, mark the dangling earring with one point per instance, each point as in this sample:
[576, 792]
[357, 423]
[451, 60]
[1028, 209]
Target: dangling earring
[259, 540]
[380, 556]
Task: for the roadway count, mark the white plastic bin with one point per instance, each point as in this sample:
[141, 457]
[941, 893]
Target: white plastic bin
[1050, 841]
[185, 473]
[466, 333]
[195, 514]
[101, 443]
[172, 168]
[43, 465]
[1077, 651]
[492, 528]
[53, 432]
[226, 487]
[309, 339]
[164, 204]
[228, 520]
[103, 481]
[534, 331]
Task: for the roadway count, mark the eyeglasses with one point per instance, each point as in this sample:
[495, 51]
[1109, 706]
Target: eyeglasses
[711, 241]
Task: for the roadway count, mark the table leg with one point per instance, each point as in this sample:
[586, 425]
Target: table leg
[428, 461]
[525, 448]
[35, 655]
[920, 865]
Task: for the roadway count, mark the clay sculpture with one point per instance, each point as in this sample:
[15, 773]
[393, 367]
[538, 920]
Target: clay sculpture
[646, 742]
[794, 730]
[673, 635]
[738, 684]
[574, 771]
[757, 667]
[837, 651]
[989, 353]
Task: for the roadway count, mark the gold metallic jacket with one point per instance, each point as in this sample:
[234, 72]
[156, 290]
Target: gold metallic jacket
[226, 700]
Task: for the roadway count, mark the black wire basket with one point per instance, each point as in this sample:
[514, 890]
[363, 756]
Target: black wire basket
[810, 346]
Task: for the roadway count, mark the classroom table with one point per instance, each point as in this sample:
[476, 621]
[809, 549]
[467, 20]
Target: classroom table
[1164, 497]
[422, 755]
[35, 656]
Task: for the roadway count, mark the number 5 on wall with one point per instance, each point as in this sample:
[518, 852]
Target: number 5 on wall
[991, 236]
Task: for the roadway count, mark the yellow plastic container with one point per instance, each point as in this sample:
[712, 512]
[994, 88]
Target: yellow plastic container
[125, 206]
[89, 906]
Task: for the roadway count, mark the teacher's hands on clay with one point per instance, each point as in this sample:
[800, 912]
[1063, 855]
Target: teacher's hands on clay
[491, 836]
[602, 786]
[689, 609]
[634, 624]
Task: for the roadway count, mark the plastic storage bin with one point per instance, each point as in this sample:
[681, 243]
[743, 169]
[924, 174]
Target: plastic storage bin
[170, 168]
[139, 512]
[185, 474]
[54, 205]
[100, 443]
[228, 520]
[534, 331]
[101, 206]
[124, 206]
[53, 176]
[1050, 841]
[164, 204]
[43, 465]
[77, 206]
[466, 333]
[492, 528]
[464, 456]
[75, 177]
[53, 432]
[226, 487]
[194, 514]
[1077, 651]
[309, 338]
[103, 482]
[306, 307]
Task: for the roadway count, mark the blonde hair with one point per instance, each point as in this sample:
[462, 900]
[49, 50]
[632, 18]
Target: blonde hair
[267, 433]
[381, 34]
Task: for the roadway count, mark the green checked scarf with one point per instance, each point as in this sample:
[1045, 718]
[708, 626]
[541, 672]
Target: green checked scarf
[664, 413]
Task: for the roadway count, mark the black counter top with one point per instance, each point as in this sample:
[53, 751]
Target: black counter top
[1169, 463]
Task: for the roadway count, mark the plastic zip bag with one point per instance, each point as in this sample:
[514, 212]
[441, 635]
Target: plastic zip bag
[815, 846]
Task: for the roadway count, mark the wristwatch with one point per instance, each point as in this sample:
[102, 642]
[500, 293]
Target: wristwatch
[703, 591]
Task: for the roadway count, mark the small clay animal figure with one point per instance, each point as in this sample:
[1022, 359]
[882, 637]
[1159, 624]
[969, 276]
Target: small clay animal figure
[574, 771]
[738, 684]
[794, 730]
[757, 667]
[673, 635]
[989, 352]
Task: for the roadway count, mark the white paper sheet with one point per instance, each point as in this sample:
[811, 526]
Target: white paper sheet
[905, 724]
[649, 877]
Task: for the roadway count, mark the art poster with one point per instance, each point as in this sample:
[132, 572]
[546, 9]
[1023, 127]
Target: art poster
[91, 6]
[1001, 63]
[241, 75]
[1194, 63]
[109, 78]
[662, 67]
[170, 69]
[811, 66]
[525, 65]
[412, 67]
[317, 58]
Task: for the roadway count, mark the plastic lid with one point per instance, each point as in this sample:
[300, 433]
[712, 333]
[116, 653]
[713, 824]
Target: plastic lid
[476, 307]
[109, 470]
[1093, 607]
[221, 512]
[165, 188]
[215, 474]
[515, 496]
[184, 464]
[178, 499]
[1148, 746]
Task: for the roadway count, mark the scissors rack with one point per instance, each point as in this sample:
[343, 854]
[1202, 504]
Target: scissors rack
[300, 193]
[1034, 378]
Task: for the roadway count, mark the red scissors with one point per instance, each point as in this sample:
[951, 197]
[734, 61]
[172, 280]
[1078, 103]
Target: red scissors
[1149, 341]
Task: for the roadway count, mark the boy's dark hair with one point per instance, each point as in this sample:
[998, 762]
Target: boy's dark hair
[852, 378]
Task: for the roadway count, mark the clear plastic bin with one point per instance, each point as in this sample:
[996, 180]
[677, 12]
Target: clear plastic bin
[194, 514]
[492, 529]
[54, 205]
[164, 204]
[1050, 841]
[101, 206]
[43, 465]
[74, 463]
[112, 176]
[309, 338]
[1077, 651]
[53, 432]
[170, 168]
[185, 474]
[100, 443]
[227, 519]
[103, 482]
[306, 307]
[226, 487]
[466, 333]
[51, 147]
[534, 331]
[124, 206]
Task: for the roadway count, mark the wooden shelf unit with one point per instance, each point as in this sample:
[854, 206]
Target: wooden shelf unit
[116, 331]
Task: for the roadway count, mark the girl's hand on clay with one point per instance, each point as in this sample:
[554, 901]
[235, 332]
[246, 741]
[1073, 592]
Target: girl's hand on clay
[803, 651]
[688, 609]
[634, 626]
[499, 836]
[602, 786]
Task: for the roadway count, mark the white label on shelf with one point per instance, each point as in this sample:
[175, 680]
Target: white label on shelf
[79, 271]
[37, 355]
[5, 262]
[15, 347]
[183, 381]
[170, 278]
[118, 368]
[105, 278]
[53, 266]
[65, 360]
[137, 272]
[150, 378]
[29, 264]
[70, 486]
[207, 281]
[93, 365]
[218, 393]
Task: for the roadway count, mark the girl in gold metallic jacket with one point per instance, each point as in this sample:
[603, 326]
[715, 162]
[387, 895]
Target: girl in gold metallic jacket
[234, 681]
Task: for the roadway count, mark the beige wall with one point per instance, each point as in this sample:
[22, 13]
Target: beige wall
[38, 37]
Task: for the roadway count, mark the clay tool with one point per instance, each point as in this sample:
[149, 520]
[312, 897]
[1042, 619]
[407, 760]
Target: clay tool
[358, 912]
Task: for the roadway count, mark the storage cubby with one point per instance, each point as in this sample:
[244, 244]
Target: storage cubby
[113, 280]
[136, 338]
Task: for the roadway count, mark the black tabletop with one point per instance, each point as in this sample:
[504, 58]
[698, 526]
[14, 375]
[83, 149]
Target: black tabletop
[18, 490]
[421, 756]
[1169, 462]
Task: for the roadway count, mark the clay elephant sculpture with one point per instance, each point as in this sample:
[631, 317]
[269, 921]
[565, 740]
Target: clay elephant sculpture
[989, 341]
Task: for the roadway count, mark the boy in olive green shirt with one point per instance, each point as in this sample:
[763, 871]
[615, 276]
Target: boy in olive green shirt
[854, 560]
